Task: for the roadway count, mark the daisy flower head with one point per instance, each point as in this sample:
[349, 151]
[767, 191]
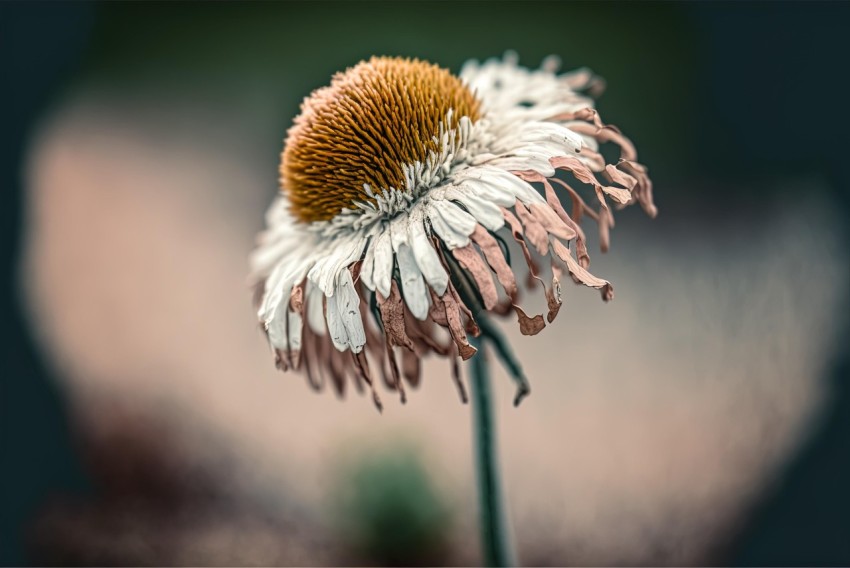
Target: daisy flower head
[401, 186]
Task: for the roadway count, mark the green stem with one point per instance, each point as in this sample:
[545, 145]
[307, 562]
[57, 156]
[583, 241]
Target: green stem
[503, 350]
[495, 537]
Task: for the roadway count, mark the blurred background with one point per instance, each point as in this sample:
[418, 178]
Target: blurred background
[703, 417]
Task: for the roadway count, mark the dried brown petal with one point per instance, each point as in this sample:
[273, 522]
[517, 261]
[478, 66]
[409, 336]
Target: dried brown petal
[296, 299]
[643, 190]
[516, 230]
[471, 324]
[527, 325]
[396, 384]
[551, 222]
[552, 199]
[452, 305]
[315, 376]
[411, 367]
[534, 231]
[496, 259]
[472, 262]
[362, 366]
[618, 176]
[579, 274]
[336, 367]
[586, 114]
[553, 296]
[606, 221]
[280, 360]
[392, 316]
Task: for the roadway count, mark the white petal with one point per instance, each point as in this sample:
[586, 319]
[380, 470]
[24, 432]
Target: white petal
[412, 284]
[383, 269]
[453, 236]
[268, 254]
[398, 231]
[367, 269]
[315, 309]
[485, 212]
[494, 192]
[336, 327]
[279, 286]
[272, 294]
[344, 252]
[426, 257]
[552, 133]
[348, 309]
[296, 324]
[456, 217]
[520, 188]
[276, 328]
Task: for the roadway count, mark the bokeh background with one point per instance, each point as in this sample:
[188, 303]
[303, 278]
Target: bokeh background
[703, 417]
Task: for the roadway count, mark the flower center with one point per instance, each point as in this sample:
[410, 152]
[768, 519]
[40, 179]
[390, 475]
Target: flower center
[373, 119]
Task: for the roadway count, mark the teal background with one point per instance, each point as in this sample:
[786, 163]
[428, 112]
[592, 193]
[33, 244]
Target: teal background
[712, 94]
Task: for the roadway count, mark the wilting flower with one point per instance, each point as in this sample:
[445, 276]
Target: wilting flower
[396, 183]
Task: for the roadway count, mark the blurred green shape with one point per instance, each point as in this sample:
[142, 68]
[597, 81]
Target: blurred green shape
[388, 510]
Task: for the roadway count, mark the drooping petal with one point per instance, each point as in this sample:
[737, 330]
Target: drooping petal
[412, 283]
[348, 310]
[496, 259]
[383, 263]
[451, 307]
[295, 326]
[426, 257]
[579, 274]
[392, 317]
[534, 231]
[472, 263]
[315, 309]
[490, 184]
[336, 327]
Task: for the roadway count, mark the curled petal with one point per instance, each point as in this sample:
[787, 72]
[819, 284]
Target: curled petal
[553, 295]
[362, 366]
[528, 325]
[578, 205]
[451, 307]
[579, 274]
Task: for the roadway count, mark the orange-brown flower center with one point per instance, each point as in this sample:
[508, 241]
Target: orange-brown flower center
[372, 119]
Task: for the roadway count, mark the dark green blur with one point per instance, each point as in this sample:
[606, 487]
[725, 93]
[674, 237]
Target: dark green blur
[385, 505]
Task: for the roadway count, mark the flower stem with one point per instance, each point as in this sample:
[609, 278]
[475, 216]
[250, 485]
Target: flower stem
[509, 360]
[495, 537]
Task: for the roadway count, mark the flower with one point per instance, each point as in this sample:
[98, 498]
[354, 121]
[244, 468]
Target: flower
[397, 181]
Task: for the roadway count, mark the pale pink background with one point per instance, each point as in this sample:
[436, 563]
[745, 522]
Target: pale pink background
[654, 421]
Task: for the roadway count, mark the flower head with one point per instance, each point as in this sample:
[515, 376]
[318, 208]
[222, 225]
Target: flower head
[397, 183]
